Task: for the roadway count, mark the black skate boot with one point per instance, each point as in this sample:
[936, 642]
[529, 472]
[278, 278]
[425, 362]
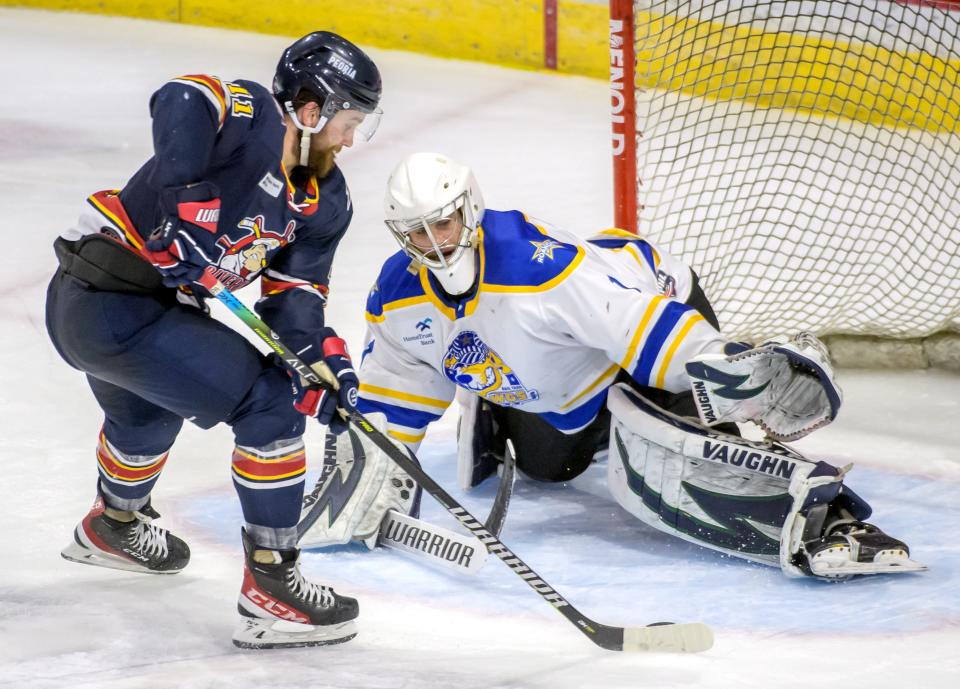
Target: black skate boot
[849, 547]
[135, 546]
[280, 609]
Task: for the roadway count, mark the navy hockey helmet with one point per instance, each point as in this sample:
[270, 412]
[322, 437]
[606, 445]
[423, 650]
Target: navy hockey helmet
[339, 74]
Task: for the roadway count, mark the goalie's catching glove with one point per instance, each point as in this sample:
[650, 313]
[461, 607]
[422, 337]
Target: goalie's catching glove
[784, 386]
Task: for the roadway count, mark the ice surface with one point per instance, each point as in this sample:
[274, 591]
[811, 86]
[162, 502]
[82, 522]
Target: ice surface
[74, 119]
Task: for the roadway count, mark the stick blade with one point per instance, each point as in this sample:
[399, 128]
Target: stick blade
[691, 637]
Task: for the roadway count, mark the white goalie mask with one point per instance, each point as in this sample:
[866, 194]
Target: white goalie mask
[433, 208]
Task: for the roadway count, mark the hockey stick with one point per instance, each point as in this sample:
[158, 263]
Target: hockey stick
[508, 476]
[667, 637]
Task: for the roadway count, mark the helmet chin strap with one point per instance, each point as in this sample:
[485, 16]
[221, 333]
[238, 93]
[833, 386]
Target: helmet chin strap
[304, 147]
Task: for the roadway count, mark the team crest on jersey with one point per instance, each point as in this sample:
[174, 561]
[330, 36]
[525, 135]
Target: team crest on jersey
[544, 250]
[472, 364]
[245, 252]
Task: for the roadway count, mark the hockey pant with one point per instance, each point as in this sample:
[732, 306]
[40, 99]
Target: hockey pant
[152, 362]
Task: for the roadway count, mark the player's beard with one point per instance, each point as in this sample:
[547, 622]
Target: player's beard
[319, 164]
[321, 161]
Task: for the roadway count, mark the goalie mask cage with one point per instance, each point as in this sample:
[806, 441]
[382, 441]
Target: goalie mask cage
[801, 156]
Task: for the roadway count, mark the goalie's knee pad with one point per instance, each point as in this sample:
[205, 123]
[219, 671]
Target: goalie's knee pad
[481, 441]
[358, 485]
[543, 453]
[759, 501]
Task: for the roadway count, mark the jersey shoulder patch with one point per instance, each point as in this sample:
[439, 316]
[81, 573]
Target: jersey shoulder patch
[519, 256]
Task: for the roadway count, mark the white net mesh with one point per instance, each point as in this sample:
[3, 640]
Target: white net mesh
[803, 157]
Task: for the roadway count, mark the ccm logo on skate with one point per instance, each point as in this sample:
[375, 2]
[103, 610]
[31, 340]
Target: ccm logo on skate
[274, 607]
[703, 399]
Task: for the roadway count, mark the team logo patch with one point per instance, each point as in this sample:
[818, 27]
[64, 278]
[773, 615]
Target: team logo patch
[666, 283]
[472, 364]
[424, 334]
[343, 66]
[271, 185]
[544, 250]
[245, 251]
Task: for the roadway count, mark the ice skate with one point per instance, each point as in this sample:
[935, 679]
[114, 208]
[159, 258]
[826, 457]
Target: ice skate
[852, 547]
[280, 609]
[134, 546]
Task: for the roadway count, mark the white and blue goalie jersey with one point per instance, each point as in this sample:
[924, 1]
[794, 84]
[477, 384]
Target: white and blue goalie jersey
[546, 329]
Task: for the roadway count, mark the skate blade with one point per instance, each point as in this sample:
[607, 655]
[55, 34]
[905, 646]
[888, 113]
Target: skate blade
[77, 553]
[885, 562]
[257, 633]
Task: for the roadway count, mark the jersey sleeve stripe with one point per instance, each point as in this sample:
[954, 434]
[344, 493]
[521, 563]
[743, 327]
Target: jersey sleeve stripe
[412, 419]
[579, 418]
[269, 287]
[612, 371]
[406, 437]
[108, 204]
[693, 319]
[639, 332]
[212, 89]
[404, 396]
[656, 339]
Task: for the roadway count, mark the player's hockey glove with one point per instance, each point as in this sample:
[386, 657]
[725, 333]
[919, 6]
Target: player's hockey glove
[184, 243]
[321, 401]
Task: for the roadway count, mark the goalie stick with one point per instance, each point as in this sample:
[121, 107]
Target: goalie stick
[666, 637]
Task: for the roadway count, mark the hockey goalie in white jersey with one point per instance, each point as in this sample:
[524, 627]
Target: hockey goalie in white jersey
[568, 347]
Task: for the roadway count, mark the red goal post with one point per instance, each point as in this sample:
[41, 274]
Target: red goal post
[802, 156]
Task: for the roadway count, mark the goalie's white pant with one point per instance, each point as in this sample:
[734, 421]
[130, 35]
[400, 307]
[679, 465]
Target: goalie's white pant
[719, 491]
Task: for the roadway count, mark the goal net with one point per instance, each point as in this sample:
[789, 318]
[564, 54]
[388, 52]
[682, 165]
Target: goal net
[801, 156]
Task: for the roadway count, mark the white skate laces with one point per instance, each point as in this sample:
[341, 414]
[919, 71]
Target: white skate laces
[314, 594]
[147, 538]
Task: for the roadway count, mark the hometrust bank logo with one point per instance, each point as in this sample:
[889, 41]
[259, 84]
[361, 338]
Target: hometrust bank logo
[424, 333]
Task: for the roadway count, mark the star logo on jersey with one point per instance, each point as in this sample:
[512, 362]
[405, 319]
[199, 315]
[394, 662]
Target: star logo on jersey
[472, 364]
[544, 250]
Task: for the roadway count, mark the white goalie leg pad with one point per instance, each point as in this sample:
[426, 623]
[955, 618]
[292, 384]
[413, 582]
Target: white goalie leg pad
[759, 501]
[356, 489]
[784, 386]
[709, 488]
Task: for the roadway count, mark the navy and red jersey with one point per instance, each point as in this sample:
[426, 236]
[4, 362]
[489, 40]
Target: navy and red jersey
[231, 134]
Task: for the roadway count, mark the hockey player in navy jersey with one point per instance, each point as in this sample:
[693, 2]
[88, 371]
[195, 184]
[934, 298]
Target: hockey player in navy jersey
[242, 182]
[568, 347]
